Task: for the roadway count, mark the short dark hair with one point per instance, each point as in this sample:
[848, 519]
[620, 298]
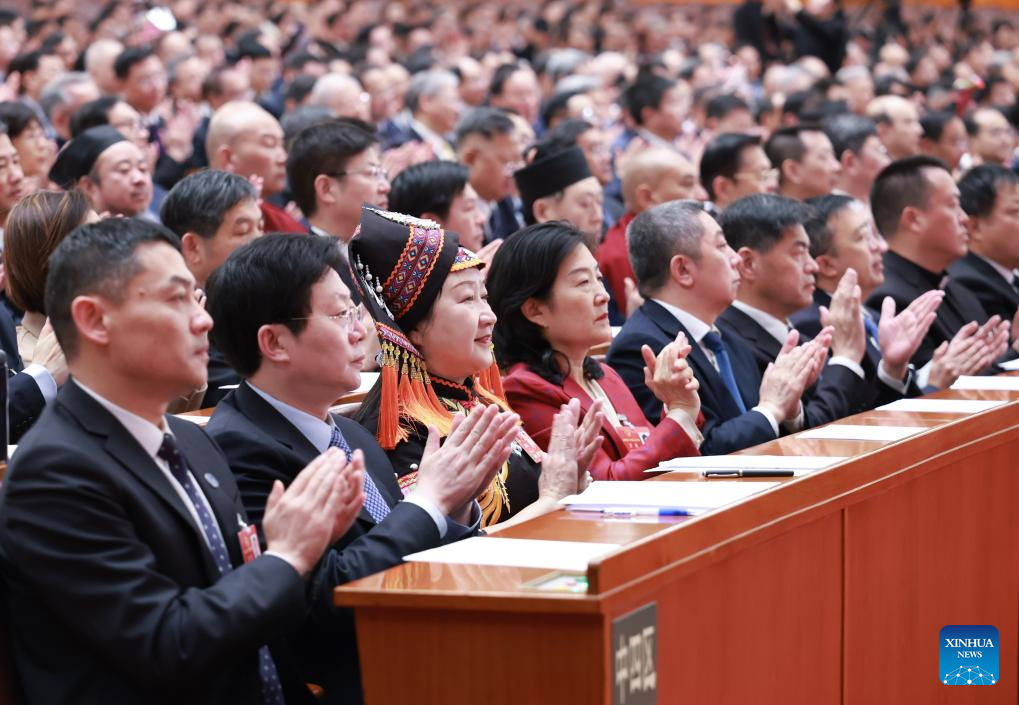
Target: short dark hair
[198, 202]
[723, 156]
[934, 124]
[646, 91]
[18, 116]
[723, 105]
[760, 220]
[900, 185]
[27, 62]
[268, 280]
[818, 225]
[428, 187]
[978, 189]
[787, 143]
[849, 132]
[657, 235]
[526, 267]
[325, 148]
[484, 121]
[566, 133]
[93, 114]
[97, 258]
[129, 58]
[971, 119]
[501, 75]
[557, 105]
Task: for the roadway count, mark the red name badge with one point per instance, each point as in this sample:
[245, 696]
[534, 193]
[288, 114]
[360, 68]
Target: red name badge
[633, 436]
[528, 445]
[250, 548]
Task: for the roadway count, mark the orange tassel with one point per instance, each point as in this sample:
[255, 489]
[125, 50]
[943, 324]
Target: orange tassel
[389, 404]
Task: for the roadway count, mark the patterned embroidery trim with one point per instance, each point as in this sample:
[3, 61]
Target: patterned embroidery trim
[413, 268]
[465, 259]
[396, 337]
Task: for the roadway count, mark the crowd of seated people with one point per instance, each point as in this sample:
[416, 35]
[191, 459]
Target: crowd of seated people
[572, 241]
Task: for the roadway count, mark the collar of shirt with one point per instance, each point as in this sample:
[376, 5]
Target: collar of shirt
[315, 230]
[317, 431]
[777, 329]
[149, 436]
[1006, 273]
[694, 326]
[438, 143]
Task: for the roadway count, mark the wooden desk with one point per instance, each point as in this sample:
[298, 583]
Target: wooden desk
[831, 588]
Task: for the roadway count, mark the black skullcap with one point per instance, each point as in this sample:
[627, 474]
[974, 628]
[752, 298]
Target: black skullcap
[548, 175]
[79, 155]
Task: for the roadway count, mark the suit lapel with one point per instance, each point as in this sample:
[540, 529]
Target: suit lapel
[273, 423]
[123, 448]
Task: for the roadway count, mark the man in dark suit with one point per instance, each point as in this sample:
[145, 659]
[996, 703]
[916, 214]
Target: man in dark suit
[486, 143]
[119, 544]
[848, 252]
[687, 274]
[990, 196]
[288, 325]
[915, 204]
[776, 280]
[213, 213]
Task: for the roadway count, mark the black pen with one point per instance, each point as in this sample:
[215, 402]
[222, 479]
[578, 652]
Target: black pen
[747, 473]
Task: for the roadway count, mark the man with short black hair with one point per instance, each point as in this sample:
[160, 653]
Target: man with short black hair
[687, 274]
[989, 194]
[805, 160]
[944, 137]
[213, 213]
[776, 280]
[486, 144]
[991, 137]
[515, 87]
[859, 151]
[658, 107]
[288, 324]
[142, 79]
[916, 207]
[734, 165]
[125, 576]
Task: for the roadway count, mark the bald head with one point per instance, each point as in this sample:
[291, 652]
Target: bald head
[343, 95]
[654, 176]
[246, 140]
[898, 125]
[99, 59]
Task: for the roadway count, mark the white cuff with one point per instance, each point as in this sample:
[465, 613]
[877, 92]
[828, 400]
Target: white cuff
[42, 377]
[923, 375]
[769, 416]
[433, 511]
[898, 385]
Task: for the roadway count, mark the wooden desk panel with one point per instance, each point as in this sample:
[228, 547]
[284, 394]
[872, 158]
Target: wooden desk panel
[780, 598]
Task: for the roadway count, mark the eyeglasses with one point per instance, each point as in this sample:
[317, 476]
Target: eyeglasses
[345, 319]
[762, 175]
[375, 171]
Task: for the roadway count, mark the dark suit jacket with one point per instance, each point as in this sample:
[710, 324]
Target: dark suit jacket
[838, 392]
[997, 296]
[504, 220]
[261, 447]
[25, 400]
[220, 374]
[726, 429]
[537, 400]
[905, 281]
[112, 593]
[808, 323]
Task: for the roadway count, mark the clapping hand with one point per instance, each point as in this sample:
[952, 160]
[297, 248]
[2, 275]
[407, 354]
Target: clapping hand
[670, 378]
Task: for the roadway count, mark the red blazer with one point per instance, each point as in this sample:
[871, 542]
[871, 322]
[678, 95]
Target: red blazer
[278, 220]
[614, 259]
[537, 401]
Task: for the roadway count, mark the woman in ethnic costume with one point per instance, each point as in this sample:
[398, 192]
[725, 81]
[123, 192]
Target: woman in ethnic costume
[428, 299]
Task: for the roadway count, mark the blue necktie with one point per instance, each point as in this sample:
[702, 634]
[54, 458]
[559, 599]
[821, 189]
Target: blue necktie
[715, 344]
[373, 500]
[272, 691]
[871, 328]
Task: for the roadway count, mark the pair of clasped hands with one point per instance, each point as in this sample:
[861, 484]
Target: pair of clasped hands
[322, 502]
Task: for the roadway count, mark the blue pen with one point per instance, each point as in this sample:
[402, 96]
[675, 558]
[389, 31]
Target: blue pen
[649, 511]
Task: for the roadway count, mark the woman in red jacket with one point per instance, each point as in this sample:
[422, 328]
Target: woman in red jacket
[552, 308]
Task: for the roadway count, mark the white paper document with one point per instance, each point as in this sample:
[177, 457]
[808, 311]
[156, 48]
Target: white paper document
[1008, 384]
[941, 406]
[699, 496]
[194, 418]
[799, 463]
[368, 380]
[849, 432]
[519, 553]
[1010, 365]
